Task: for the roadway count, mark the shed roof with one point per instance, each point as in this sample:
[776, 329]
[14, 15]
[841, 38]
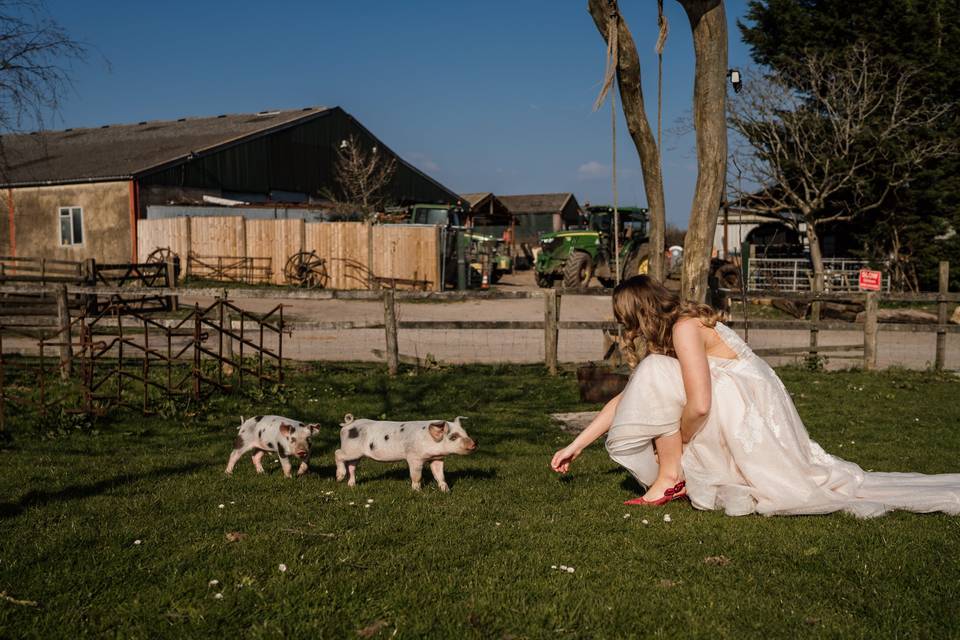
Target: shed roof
[473, 199]
[537, 202]
[126, 150]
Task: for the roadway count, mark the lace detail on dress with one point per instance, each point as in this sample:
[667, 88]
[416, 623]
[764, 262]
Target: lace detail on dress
[750, 431]
[820, 456]
[734, 341]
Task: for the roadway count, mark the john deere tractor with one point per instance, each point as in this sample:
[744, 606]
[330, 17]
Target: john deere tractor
[578, 254]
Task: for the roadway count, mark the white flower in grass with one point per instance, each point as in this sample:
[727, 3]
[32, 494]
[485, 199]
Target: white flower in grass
[221, 506]
[213, 583]
[218, 596]
[553, 566]
[283, 568]
[138, 542]
[496, 524]
[563, 567]
[366, 506]
[666, 517]
[570, 569]
[626, 515]
[352, 503]
[369, 500]
[644, 521]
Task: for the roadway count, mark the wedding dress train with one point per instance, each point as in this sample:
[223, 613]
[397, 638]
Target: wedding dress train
[753, 454]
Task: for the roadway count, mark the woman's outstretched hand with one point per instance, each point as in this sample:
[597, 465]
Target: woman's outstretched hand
[562, 459]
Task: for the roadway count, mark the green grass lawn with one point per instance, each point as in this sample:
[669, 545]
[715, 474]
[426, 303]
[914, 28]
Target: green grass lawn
[381, 561]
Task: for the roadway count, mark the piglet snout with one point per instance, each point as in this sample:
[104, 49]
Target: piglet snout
[470, 444]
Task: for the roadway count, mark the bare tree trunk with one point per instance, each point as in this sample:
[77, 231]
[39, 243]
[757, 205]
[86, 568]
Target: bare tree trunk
[816, 257]
[708, 22]
[631, 97]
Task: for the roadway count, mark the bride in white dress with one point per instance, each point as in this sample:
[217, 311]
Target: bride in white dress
[703, 417]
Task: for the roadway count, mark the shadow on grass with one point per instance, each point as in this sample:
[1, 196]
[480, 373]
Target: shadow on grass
[80, 491]
[452, 477]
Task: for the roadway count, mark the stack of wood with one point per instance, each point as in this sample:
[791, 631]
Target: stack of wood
[902, 316]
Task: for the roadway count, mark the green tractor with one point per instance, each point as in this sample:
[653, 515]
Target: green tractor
[577, 255]
[483, 253]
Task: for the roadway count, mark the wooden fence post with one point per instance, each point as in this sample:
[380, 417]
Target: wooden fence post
[390, 324]
[870, 331]
[63, 318]
[172, 301]
[814, 328]
[942, 315]
[551, 313]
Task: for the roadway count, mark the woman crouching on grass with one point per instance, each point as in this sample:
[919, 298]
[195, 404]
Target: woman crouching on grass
[751, 453]
[646, 420]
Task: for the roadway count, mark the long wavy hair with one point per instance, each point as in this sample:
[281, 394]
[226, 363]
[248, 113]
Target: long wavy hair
[648, 310]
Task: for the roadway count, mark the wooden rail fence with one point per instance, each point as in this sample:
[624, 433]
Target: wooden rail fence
[551, 324]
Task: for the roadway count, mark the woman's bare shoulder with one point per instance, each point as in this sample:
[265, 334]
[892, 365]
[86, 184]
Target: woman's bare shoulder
[687, 326]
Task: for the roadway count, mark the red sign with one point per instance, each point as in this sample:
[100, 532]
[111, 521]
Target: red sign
[870, 280]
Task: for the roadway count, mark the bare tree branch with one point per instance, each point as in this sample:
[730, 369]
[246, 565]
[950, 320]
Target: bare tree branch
[821, 136]
[363, 177]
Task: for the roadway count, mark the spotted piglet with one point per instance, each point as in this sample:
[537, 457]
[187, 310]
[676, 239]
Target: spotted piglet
[280, 435]
[416, 441]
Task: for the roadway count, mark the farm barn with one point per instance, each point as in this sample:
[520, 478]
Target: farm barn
[78, 193]
[541, 212]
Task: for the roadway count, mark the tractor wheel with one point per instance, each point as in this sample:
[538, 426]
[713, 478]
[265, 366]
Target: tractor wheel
[638, 263]
[544, 280]
[577, 270]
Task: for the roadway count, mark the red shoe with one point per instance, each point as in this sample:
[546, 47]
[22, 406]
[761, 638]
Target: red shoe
[675, 493]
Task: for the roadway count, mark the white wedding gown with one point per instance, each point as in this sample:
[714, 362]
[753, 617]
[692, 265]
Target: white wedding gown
[753, 454]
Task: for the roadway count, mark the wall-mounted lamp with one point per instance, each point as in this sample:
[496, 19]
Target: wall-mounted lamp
[735, 79]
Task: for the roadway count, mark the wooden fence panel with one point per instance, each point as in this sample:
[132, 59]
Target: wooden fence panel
[218, 236]
[171, 233]
[277, 240]
[407, 253]
[344, 246]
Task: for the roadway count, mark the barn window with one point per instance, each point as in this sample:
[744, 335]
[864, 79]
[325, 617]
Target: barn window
[71, 226]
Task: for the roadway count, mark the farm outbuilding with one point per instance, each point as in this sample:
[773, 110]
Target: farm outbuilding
[78, 193]
[541, 212]
[737, 225]
[486, 210]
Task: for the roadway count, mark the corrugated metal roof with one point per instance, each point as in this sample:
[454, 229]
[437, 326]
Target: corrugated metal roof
[126, 150]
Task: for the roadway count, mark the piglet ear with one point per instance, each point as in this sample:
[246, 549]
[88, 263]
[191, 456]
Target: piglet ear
[459, 418]
[437, 430]
[285, 429]
[314, 428]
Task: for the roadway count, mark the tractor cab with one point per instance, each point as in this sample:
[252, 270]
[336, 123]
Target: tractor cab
[588, 248]
[436, 214]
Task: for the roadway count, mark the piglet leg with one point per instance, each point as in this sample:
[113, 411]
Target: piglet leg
[304, 464]
[340, 459]
[285, 465]
[416, 472]
[257, 460]
[236, 454]
[352, 473]
[436, 468]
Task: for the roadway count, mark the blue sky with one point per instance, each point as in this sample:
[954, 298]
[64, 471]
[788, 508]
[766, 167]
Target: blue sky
[485, 96]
